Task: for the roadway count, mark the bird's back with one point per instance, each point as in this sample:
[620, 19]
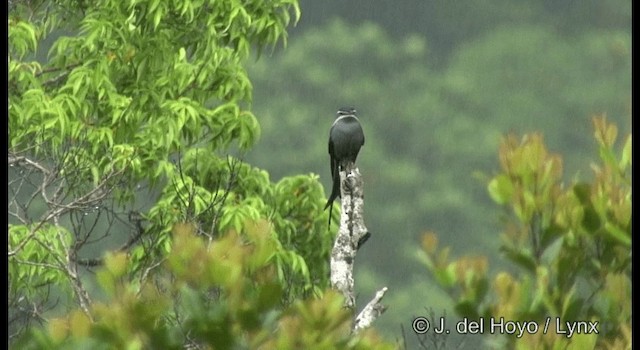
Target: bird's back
[348, 137]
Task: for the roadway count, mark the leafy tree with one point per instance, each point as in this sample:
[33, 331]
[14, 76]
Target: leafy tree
[125, 155]
[221, 293]
[571, 245]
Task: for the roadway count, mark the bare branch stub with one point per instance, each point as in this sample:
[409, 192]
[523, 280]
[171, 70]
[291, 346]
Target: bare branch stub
[371, 312]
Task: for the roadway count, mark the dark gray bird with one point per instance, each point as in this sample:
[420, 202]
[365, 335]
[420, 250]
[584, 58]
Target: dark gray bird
[345, 139]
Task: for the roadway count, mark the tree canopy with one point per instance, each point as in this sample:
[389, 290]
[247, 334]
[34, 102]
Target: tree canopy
[134, 221]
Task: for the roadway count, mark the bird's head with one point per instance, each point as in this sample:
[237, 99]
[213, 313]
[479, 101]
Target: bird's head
[345, 111]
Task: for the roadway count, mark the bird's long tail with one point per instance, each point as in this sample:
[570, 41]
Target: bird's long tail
[335, 191]
[330, 215]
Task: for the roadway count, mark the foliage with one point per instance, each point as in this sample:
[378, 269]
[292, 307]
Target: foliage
[136, 122]
[570, 244]
[528, 77]
[215, 294]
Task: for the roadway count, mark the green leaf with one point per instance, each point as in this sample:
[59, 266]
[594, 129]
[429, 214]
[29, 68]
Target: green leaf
[446, 277]
[625, 158]
[619, 235]
[607, 156]
[157, 17]
[501, 189]
[22, 33]
[522, 257]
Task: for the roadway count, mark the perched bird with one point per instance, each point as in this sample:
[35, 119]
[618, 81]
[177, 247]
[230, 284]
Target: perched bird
[345, 139]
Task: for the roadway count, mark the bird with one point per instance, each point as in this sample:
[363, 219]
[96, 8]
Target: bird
[345, 139]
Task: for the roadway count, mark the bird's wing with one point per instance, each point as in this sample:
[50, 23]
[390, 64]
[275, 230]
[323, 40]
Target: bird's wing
[361, 133]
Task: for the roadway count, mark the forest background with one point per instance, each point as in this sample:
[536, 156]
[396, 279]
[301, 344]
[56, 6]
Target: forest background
[436, 85]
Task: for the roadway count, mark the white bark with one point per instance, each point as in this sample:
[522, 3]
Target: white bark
[370, 312]
[352, 230]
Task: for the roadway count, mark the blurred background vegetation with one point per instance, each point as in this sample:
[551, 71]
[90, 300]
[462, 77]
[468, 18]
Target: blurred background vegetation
[436, 84]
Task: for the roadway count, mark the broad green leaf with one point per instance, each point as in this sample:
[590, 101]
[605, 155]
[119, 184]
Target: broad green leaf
[625, 158]
[616, 233]
[500, 189]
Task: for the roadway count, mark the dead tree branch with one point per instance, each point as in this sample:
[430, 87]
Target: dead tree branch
[351, 235]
